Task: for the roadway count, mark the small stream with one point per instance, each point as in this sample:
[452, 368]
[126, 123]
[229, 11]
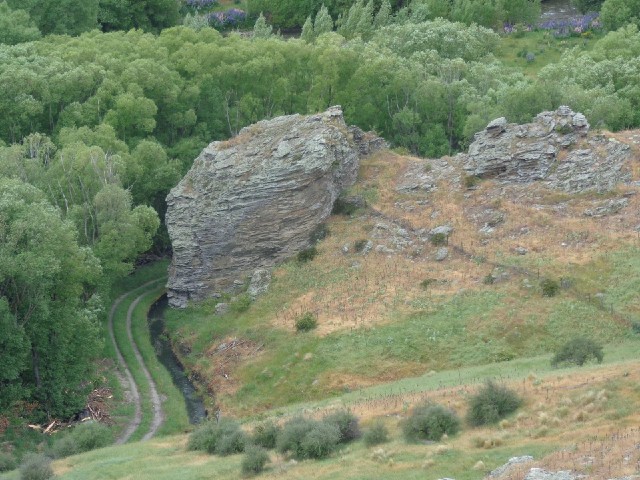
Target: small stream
[155, 319]
[558, 10]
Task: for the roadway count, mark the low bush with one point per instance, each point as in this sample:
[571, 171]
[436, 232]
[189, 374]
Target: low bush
[7, 462]
[319, 233]
[307, 254]
[347, 423]
[359, 245]
[376, 435]
[492, 403]
[438, 239]
[306, 322]
[254, 460]
[343, 206]
[222, 438]
[83, 438]
[430, 421]
[578, 351]
[35, 467]
[304, 438]
[320, 441]
[550, 288]
[266, 435]
[635, 326]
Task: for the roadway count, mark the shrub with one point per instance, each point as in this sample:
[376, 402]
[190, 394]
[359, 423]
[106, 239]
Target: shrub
[430, 422]
[292, 434]
[344, 207]
[438, 239]
[84, 437]
[35, 467]
[7, 462]
[578, 351]
[254, 460]
[376, 435]
[427, 282]
[241, 303]
[306, 322]
[359, 245]
[307, 254]
[635, 327]
[303, 438]
[320, 441]
[319, 233]
[492, 403]
[470, 181]
[223, 438]
[550, 288]
[347, 423]
[266, 434]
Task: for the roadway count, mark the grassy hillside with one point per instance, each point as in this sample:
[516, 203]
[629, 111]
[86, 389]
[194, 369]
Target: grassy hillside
[396, 311]
[568, 415]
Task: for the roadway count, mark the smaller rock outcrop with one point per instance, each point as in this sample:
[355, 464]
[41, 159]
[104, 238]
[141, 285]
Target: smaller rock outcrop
[256, 199]
[555, 148]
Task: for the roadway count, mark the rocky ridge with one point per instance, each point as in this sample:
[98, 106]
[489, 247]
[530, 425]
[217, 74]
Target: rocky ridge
[555, 148]
[253, 201]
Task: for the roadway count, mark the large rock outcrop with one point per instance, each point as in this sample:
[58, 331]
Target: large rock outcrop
[555, 148]
[253, 201]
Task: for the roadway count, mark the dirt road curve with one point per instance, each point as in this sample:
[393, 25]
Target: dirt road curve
[131, 385]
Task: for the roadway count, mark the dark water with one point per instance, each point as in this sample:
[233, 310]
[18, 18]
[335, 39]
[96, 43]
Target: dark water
[195, 407]
[558, 10]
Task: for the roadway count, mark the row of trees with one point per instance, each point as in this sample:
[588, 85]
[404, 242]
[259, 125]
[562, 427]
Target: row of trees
[24, 20]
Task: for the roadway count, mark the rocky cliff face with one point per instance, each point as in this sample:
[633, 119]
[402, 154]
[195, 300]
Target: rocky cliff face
[555, 148]
[253, 201]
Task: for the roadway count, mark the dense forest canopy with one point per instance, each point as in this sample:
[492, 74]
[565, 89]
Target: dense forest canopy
[104, 104]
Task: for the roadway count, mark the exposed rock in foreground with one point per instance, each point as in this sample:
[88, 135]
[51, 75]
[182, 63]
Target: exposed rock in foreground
[253, 201]
[555, 148]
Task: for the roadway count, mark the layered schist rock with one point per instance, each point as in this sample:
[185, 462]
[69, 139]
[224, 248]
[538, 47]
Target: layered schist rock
[555, 148]
[253, 201]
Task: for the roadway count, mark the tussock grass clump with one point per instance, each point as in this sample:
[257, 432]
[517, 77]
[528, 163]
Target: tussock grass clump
[306, 322]
[83, 438]
[35, 467]
[550, 288]
[492, 403]
[430, 421]
[254, 460]
[347, 423]
[7, 462]
[241, 303]
[307, 254]
[438, 239]
[222, 438]
[376, 435]
[359, 245]
[578, 351]
[304, 438]
[266, 434]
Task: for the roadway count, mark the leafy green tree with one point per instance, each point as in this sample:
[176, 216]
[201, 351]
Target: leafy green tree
[47, 301]
[16, 26]
[617, 13]
[262, 29]
[148, 15]
[323, 22]
[383, 16]
[70, 17]
[586, 6]
[307, 30]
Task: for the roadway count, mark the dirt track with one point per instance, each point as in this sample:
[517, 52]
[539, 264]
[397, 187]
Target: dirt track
[130, 383]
